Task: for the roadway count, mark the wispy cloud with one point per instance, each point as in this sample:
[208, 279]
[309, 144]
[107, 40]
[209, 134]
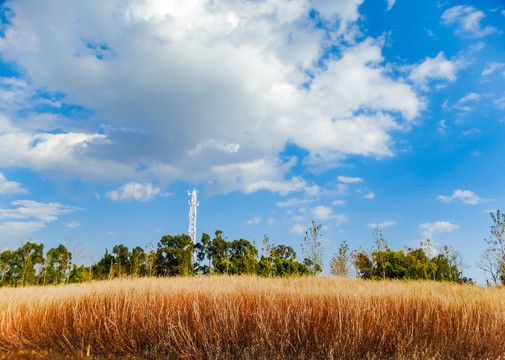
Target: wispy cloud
[134, 191]
[253, 221]
[491, 68]
[391, 3]
[382, 225]
[349, 180]
[468, 21]
[369, 196]
[29, 216]
[73, 224]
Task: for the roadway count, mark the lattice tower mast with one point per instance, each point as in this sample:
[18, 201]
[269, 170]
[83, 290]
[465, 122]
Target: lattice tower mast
[193, 203]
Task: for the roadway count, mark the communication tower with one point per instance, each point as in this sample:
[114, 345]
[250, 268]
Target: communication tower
[193, 203]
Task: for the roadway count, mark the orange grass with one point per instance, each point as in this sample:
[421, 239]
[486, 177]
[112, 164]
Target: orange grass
[246, 317]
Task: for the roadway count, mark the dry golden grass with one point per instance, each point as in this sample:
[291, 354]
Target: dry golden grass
[225, 317]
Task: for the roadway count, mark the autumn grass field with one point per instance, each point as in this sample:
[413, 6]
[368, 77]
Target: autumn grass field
[242, 317]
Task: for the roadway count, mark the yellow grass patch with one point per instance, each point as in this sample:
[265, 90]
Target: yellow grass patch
[246, 317]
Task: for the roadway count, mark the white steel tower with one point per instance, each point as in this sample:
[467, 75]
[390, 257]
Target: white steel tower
[193, 203]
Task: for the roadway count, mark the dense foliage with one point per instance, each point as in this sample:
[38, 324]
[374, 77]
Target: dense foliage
[178, 256]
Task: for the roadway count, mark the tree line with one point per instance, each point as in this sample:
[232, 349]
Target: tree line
[178, 256]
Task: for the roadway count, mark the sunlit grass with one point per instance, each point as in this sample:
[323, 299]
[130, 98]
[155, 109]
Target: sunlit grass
[225, 317]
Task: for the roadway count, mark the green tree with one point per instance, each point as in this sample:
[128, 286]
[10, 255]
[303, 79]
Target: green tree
[218, 251]
[137, 262]
[121, 260]
[104, 268]
[174, 255]
[363, 264]
[204, 250]
[243, 256]
[27, 257]
[57, 265]
[7, 271]
[283, 252]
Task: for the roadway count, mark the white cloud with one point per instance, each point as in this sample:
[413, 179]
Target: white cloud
[341, 218]
[290, 203]
[313, 190]
[73, 224]
[253, 221]
[32, 209]
[229, 148]
[10, 187]
[500, 102]
[40, 150]
[442, 127]
[298, 229]
[323, 212]
[134, 191]
[188, 53]
[491, 68]
[270, 220]
[382, 225]
[469, 97]
[468, 19]
[437, 68]
[17, 228]
[370, 196]
[466, 196]
[326, 213]
[338, 202]
[348, 179]
[391, 3]
[29, 216]
[428, 229]
[472, 131]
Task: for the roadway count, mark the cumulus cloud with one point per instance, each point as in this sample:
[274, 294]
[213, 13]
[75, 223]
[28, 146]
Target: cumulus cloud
[468, 21]
[466, 196]
[298, 229]
[10, 187]
[134, 191]
[43, 150]
[348, 179]
[187, 53]
[326, 213]
[437, 68]
[428, 229]
[323, 212]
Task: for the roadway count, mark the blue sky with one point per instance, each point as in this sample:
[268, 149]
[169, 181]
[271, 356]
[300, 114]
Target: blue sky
[350, 113]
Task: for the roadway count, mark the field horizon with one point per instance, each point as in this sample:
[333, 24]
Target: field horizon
[249, 317]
